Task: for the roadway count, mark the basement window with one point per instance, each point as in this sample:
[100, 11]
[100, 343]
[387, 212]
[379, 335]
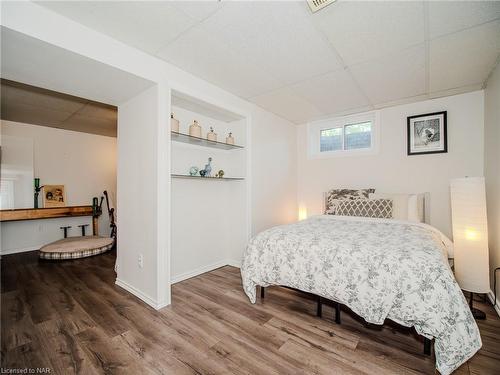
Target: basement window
[353, 135]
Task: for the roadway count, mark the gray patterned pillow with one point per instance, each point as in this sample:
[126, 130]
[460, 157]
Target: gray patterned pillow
[379, 208]
[335, 195]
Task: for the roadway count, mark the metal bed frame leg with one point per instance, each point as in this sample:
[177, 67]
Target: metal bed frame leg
[337, 312]
[262, 292]
[427, 346]
[319, 310]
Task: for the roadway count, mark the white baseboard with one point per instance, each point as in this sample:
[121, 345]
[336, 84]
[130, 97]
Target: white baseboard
[187, 275]
[234, 263]
[203, 269]
[21, 250]
[142, 296]
[491, 296]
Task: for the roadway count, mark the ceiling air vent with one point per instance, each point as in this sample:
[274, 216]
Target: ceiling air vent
[316, 5]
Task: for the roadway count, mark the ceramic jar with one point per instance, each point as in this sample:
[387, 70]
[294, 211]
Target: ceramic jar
[230, 139]
[174, 123]
[195, 129]
[211, 136]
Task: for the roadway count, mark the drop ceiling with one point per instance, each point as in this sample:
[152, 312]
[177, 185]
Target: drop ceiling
[348, 57]
[37, 106]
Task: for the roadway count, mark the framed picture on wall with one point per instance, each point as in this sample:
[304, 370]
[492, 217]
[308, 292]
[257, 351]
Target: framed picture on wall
[427, 134]
[54, 196]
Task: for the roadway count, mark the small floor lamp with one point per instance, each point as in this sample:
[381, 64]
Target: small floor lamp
[470, 237]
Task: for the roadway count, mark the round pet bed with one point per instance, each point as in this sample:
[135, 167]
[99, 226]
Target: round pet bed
[76, 247]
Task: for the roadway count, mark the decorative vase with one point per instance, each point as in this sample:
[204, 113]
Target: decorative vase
[174, 123]
[193, 171]
[211, 136]
[195, 129]
[230, 139]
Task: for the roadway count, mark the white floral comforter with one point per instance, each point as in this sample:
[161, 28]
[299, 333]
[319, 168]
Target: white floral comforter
[380, 268]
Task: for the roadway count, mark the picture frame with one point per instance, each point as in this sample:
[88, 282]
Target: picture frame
[53, 196]
[427, 133]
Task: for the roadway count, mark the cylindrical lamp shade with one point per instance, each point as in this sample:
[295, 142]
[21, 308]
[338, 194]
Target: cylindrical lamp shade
[470, 234]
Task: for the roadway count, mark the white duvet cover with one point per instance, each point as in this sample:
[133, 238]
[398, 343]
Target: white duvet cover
[379, 268]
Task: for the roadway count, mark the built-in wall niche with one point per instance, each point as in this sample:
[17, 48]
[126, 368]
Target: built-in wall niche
[210, 216]
[194, 152]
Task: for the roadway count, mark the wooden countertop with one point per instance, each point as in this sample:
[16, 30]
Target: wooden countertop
[44, 213]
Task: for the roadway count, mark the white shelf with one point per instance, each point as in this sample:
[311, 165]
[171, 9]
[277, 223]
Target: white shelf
[187, 176]
[185, 138]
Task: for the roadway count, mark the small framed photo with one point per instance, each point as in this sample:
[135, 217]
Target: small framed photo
[427, 134]
[54, 196]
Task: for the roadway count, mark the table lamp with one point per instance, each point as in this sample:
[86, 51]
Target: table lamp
[302, 215]
[470, 237]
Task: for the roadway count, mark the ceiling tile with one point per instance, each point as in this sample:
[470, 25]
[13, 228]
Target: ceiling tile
[464, 58]
[279, 36]
[40, 98]
[450, 16]
[331, 93]
[211, 60]
[398, 76]
[362, 31]
[198, 10]
[93, 125]
[285, 103]
[147, 25]
[98, 110]
[29, 114]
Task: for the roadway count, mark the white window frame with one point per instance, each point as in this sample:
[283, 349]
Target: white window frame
[314, 135]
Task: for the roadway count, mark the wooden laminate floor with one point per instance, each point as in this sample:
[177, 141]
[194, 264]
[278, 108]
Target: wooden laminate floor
[70, 317]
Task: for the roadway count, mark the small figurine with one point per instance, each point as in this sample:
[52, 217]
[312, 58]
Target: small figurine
[211, 136]
[207, 171]
[208, 168]
[193, 171]
[195, 129]
[220, 174]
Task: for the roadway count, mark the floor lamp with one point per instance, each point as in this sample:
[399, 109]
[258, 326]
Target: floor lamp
[470, 237]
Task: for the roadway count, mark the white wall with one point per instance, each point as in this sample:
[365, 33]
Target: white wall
[84, 163]
[141, 129]
[391, 170]
[492, 168]
[274, 171]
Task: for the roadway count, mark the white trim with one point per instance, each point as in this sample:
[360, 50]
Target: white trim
[142, 296]
[234, 263]
[205, 269]
[491, 296]
[21, 250]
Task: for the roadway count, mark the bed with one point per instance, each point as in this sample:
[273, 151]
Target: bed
[379, 268]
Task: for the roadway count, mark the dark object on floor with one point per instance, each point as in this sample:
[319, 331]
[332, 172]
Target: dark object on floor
[111, 213]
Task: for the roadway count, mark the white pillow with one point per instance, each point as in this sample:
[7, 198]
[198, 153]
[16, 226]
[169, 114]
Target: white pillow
[416, 208]
[399, 204]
